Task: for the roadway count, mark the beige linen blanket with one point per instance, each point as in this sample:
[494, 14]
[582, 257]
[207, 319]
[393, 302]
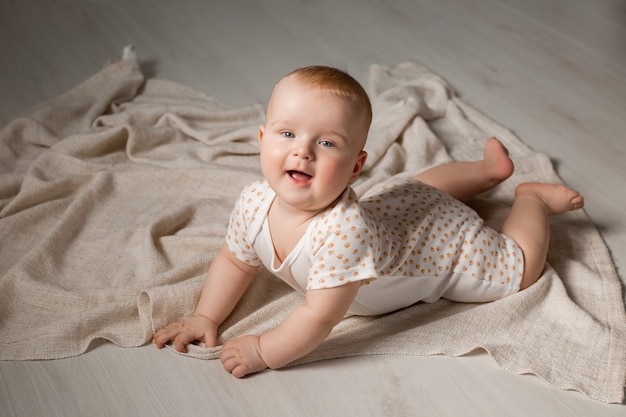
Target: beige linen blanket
[115, 196]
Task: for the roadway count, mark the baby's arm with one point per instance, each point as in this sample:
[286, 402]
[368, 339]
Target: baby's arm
[301, 332]
[226, 282]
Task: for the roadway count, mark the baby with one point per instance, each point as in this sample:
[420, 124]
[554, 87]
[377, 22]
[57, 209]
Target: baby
[403, 242]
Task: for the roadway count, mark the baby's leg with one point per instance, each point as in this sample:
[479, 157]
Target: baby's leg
[464, 180]
[527, 223]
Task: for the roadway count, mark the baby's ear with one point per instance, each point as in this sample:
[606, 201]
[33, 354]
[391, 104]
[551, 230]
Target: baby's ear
[360, 162]
[261, 130]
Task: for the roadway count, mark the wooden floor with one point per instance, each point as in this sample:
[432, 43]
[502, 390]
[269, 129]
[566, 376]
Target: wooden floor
[553, 71]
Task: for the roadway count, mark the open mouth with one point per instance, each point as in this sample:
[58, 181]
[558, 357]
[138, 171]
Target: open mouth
[299, 177]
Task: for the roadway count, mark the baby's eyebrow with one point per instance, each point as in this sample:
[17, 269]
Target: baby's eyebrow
[280, 122]
[336, 134]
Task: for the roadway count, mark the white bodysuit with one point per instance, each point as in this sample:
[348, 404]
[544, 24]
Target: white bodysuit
[406, 241]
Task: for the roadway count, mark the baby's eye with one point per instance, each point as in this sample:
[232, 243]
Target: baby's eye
[326, 144]
[288, 135]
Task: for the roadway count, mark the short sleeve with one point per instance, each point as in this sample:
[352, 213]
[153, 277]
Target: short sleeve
[344, 249]
[241, 218]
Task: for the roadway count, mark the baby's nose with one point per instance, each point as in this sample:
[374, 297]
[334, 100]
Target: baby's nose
[303, 150]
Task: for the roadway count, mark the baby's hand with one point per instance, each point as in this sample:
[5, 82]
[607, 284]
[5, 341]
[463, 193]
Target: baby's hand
[191, 329]
[242, 356]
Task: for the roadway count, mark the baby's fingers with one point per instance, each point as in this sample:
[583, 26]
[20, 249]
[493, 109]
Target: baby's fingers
[191, 329]
[166, 334]
[232, 362]
[182, 340]
[210, 340]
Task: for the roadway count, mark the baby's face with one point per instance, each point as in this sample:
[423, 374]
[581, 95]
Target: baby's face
[311, 145]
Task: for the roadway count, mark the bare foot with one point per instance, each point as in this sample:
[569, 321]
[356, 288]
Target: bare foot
[557, 199]
[498, 164]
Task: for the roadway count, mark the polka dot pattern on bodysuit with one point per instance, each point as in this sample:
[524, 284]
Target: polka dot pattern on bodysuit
[427, 232]
[408, 230]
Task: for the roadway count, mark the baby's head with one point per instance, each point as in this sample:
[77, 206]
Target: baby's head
[337, 83]
[317, 122]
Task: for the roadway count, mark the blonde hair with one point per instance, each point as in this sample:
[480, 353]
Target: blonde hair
[336, 82]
